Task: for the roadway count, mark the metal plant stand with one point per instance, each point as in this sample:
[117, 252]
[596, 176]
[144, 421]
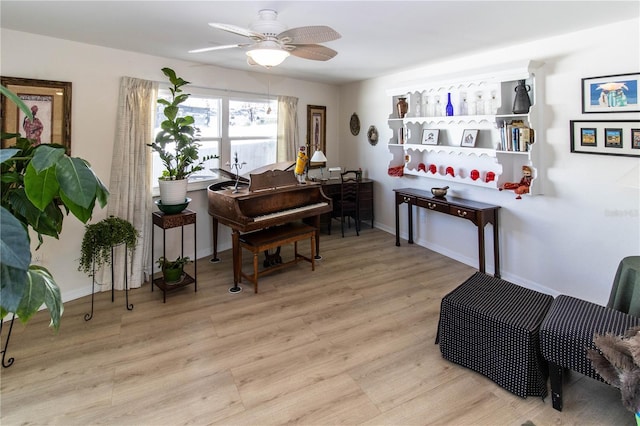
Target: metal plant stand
[8, 362]
[129, 307]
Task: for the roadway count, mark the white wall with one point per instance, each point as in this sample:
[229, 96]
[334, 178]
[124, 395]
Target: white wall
[569, 240]
[95, 74]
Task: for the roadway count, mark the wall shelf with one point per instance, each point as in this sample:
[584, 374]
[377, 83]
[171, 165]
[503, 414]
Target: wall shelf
[493, 161]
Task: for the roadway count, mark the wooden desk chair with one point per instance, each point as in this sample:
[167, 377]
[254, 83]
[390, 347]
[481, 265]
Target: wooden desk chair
[348, 204]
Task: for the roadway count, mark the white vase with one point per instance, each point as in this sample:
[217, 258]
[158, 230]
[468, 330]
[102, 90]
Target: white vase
[173, 192]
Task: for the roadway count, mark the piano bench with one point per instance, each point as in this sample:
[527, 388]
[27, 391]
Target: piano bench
[270, 238]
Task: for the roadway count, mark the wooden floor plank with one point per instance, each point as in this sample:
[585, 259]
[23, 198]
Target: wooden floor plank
[349, 343]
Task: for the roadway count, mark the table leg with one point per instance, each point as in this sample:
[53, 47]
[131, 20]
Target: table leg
[410, 215]
[397, 221]
[481, 261]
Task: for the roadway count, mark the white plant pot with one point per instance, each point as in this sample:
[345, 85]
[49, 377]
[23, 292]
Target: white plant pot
[173, 192]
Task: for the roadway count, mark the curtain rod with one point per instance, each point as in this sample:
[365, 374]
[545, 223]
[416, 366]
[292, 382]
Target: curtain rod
[221, 90]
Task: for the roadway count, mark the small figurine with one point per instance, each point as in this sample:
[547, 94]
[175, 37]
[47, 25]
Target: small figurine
[301, 163]
[521, 187]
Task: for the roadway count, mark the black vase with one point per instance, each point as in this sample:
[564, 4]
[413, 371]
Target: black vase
[522, 103]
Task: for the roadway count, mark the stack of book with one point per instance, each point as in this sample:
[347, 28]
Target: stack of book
[516, 136]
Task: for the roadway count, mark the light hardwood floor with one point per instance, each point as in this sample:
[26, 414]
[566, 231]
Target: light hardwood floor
[351, 343]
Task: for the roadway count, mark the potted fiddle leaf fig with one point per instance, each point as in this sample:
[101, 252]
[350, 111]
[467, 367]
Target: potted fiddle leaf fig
[40, 185]
[177, 144]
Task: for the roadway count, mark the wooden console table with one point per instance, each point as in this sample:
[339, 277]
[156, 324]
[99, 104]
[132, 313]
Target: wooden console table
[478, 213]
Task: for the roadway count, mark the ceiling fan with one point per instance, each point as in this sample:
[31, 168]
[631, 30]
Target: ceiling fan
[273, 43]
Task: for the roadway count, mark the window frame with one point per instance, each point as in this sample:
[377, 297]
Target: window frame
[224, 140]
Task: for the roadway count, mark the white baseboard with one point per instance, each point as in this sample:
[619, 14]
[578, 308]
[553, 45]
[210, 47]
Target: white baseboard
[473, 262]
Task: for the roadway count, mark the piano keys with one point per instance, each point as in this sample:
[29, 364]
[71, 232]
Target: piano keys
[266, 199]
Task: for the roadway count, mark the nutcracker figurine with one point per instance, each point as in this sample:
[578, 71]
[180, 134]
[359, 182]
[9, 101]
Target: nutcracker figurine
[301, 164]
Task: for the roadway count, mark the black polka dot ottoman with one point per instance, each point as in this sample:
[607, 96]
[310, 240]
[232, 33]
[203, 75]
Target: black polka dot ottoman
[492, 326]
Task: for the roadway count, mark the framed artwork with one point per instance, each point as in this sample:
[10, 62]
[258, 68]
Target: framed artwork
[635, 138]
[469, 137]
[610, 93]
[588, 136]
[613, 137]
[316, 132]
[430, 136]
[50, 103]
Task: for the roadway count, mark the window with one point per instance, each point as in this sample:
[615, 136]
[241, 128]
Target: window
[252, 132]
[242, 123]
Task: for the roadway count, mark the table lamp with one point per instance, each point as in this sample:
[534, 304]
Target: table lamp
[318, 157]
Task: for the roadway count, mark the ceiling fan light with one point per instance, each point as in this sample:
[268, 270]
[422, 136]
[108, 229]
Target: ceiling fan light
[268, 57]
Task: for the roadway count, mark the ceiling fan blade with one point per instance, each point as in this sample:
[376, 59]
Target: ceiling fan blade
[315, 52]
[209, 49]
[309, 35]
[237, 30]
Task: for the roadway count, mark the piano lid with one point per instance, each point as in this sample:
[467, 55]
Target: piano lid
[223, 174]
[224, 179]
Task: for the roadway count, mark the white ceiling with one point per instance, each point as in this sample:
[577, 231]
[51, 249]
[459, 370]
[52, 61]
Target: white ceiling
[378, 37]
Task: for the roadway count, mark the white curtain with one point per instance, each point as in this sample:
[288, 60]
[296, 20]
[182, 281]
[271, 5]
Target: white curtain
[287, 128]
[130, 184]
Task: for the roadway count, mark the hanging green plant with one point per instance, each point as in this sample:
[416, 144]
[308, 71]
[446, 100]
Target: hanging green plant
[100, 237]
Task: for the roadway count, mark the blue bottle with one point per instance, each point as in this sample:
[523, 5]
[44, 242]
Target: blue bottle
[449, 105]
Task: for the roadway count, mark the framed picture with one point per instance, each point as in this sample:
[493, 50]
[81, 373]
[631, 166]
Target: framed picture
[588, 136]
[430, 136]
[620, 137]
[613, 138]
[50, 103]
[610, 93]
[469, 137]
[635, 138]
[316, 132]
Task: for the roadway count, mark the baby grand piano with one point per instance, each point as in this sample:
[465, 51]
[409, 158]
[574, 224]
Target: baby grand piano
[266, 199]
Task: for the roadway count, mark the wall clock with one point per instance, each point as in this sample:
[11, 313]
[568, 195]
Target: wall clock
[372, 135]
[354, 124]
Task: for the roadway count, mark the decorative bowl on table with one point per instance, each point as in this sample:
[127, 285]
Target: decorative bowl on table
[439, 192]
[172, 208]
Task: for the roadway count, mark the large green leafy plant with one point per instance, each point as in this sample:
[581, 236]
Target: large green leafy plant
[40, 185]
[177, 142]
